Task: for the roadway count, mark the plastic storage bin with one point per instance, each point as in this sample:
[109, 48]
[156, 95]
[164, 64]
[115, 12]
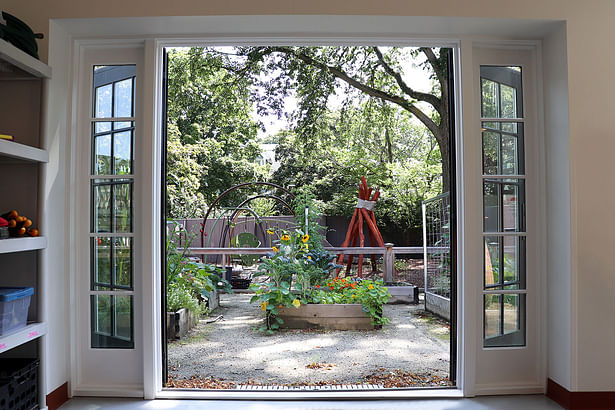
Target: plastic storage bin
[19, 384]
[14, 304]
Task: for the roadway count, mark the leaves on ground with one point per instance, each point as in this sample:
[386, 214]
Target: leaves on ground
[323, 365]
[398, 378]
[196, 382]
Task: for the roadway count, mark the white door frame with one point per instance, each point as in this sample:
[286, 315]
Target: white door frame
[469, 334]
[102, 371]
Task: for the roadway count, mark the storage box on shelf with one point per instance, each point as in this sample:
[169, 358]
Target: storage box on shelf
[22, 81]
[14, 304]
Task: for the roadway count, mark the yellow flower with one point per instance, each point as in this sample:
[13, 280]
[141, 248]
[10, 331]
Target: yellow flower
[264, 306]
[370, 287]
[275, 249]
[285, 237]
[305, 238]
[270, 231]
[309, 257]
[296, 303]
[307, 246]
[354, 296]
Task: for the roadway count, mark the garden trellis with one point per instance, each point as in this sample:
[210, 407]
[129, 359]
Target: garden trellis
[436, 246]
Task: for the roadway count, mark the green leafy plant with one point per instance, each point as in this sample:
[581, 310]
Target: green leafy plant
[188, 279]
[371, 294]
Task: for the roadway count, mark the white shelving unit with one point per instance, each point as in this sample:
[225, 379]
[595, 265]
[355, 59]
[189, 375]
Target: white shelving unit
[22, 80]
[23, 152]
[24, 335]
[12, 245]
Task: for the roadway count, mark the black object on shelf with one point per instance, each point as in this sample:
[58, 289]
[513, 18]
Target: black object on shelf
[18, 384]
[19, 34]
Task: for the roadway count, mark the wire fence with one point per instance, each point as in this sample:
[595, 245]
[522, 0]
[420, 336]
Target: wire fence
[436, 245]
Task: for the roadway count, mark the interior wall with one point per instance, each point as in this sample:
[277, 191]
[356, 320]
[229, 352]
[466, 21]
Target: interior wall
[559, 314]
[56, 218]
[580, 302]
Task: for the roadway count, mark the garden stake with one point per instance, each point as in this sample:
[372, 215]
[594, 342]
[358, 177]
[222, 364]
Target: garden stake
[363, 214]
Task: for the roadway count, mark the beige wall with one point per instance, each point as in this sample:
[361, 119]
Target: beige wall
[587, 291]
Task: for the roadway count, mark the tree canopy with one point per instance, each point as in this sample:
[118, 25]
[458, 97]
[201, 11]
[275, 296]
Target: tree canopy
[380, 126]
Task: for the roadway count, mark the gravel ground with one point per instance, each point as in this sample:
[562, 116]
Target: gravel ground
[233, 350]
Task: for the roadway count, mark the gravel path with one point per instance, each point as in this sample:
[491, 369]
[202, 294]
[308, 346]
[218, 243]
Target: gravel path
[233, 350]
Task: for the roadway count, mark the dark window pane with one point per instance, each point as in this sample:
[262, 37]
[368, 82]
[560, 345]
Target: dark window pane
[112, 322]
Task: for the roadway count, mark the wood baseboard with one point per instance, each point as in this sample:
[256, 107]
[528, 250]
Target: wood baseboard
[57, 397]
[580, 400]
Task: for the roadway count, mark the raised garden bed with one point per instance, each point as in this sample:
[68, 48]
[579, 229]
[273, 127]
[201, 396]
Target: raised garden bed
[332, 317]
[405, 293]
[179, 323]
[439, 305]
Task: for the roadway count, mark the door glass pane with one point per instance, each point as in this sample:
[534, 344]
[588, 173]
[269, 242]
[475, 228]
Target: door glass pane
[490, 101]
[122, 98]
[122, 262]
[101, 197]
[102, 316]
[502, 210]
[502, 147]
[102, 263]
[493, 304]
[122, 152]
[504, 265]
[500, 96]
[103, 101]
[122, 206]
[112, 321]
[123, 317]
[511, 313]
[508, 98]
[102, 154]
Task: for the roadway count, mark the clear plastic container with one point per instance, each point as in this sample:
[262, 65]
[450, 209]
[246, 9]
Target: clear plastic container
[14, 304]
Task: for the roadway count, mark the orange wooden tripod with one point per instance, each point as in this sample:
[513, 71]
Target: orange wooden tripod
[363, 213]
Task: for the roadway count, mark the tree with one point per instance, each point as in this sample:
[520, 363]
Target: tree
[374, 72]
[210, 131]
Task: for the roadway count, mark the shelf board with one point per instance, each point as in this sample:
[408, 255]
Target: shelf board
[11, 245]
[23, 61]
[21, 336]
[24, 152]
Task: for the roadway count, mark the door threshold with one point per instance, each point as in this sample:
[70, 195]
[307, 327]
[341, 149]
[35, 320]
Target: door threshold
[306, 393]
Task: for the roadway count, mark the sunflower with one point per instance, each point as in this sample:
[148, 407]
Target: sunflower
[270, 231]
[285, 237]
[305, 238]
[275, 249]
